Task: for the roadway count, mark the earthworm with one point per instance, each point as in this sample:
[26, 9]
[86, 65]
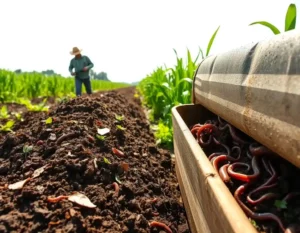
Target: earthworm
[209, 127]
[264, 186]
[56, 199]
[217, 160]
[117, 152]
[259, 150]
[155, 213]
[243, 177]
[64, 137]
[290, 196]
[233, 132]
[220, 121]
[207, 143]
[224, 174]
[161, 225]
[195, 130]
[117, 188]
[253, 215]
[228, 150]
[214, 155]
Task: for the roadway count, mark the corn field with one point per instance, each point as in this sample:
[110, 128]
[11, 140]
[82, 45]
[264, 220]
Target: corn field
[165, 88]
[33, 85]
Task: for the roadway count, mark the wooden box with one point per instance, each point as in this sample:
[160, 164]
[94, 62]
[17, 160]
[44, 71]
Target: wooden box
[210, 206]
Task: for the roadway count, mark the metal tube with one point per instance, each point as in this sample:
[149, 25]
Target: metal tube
[256, 88]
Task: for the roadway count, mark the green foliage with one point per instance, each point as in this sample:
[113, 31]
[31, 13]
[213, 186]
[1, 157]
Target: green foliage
[4, 112]
[14, 85]
[164, 134]
[7, 127]
[280, 204]
[211, 41]
[290, 21]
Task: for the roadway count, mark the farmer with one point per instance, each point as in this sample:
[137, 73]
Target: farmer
[81, 64]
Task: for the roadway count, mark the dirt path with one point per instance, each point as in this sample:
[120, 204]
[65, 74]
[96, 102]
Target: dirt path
[127, 192]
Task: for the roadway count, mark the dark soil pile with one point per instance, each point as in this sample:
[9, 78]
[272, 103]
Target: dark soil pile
[79, 161]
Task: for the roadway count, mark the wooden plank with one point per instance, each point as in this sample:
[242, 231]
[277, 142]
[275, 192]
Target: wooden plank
[203, 186]
[195, 216]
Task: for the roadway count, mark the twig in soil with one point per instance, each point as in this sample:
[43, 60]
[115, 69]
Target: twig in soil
[64, 137]
[160, 225]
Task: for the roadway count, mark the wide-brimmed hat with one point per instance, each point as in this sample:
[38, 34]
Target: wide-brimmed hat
[75, 51]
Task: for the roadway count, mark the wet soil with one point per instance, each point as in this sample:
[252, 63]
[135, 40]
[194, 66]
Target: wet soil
[78, 160]
[283, 189]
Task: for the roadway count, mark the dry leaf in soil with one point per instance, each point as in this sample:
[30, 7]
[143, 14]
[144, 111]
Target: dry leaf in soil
[19, 184]
[38, 171]
[81, 199]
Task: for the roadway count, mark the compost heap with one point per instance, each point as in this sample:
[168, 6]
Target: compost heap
[88, 165]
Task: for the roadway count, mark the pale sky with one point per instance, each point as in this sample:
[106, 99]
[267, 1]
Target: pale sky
[127, 39]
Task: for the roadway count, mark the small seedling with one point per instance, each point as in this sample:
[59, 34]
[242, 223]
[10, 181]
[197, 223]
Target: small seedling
[120, 127]
[119, 117]
[26, 150]
[7, 127]
[106, 160]
[4, 113]
[101, 137]
[48, 120]
[18, 116]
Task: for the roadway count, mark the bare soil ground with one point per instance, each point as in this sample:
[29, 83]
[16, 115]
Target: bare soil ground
[129, 191]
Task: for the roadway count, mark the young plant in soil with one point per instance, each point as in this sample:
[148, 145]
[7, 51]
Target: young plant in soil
[7, 127]
[262, 183]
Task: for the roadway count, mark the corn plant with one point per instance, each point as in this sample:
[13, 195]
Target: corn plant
[166, 87]
[290, 21]
[32, 85]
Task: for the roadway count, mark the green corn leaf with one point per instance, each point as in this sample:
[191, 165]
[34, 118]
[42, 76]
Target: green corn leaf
[290, 18]
[274, 29]
[211, 41]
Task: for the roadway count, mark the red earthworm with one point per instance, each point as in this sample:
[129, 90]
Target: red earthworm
[56, 199]
[117, 188]
[207, 143]
[161, 225]
[244, 177]
[155, 213]
[215, 162]
[194, 130]
[214, 155]
[259, 150]
[256, 216]
[224, 174]
[264, 197]
[207, 127]
[234, 134]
